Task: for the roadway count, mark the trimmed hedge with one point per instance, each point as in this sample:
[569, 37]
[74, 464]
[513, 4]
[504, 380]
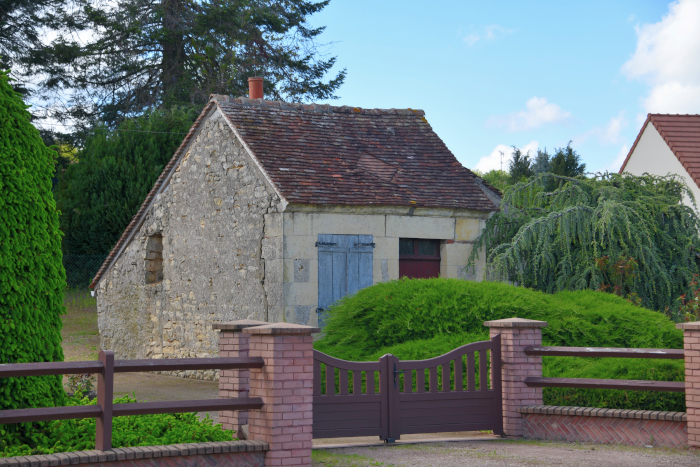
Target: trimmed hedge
[424, 318]
[32, 278]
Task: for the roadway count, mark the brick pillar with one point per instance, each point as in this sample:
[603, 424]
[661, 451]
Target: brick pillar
[285, 385]
[691, 346]
[234, 383]
[516, 334]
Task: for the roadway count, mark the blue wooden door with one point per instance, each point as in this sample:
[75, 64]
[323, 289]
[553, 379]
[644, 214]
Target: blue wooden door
[344, 267]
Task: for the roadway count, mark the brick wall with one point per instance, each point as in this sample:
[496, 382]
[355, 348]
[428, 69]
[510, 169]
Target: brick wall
[516, 334]
[691, 347]
[234, 383]
[229, 454]
[605, 426]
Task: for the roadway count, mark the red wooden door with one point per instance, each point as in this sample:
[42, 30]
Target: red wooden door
[419, 258]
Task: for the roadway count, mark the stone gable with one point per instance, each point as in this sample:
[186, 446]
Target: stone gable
[220, 227]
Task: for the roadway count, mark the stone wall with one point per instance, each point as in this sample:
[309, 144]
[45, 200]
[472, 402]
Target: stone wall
[221, 227]
[458, 229]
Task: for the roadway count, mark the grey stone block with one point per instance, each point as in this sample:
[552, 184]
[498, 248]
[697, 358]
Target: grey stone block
[301, 270]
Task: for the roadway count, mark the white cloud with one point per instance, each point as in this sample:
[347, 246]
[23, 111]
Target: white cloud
[493, 160]
[487, 33]
[608, 134]
[666, 58]
[537, 112]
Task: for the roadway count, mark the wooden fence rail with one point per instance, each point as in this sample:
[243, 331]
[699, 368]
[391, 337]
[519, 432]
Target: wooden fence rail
[105, 410]
[614, 352]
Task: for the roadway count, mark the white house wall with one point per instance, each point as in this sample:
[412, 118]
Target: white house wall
[652, 155]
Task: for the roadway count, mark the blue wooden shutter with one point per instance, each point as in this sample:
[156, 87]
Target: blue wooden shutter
[344, 267]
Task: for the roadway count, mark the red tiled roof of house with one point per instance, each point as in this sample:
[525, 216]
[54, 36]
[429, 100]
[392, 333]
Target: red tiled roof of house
[682, 135]
[320, 154]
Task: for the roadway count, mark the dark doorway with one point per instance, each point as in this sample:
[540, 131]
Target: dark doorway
[419, 258]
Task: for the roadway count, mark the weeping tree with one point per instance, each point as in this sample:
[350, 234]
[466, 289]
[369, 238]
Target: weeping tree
[630, 235]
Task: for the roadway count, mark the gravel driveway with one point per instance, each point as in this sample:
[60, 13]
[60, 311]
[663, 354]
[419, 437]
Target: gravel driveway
[503, 453]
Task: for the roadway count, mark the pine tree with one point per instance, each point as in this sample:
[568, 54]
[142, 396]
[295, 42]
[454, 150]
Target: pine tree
[146, 54]
[578, 237]
[32, 278]
[520, 166]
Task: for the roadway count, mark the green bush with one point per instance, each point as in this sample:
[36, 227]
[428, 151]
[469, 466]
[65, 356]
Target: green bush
[128, 431]
[418, 319]
[32, 278]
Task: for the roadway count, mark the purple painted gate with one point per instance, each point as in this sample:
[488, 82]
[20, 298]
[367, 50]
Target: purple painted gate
[393, 397]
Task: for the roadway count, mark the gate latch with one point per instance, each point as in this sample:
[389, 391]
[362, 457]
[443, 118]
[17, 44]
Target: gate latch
[396, 374]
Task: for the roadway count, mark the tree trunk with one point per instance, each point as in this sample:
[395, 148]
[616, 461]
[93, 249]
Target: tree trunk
[173, 46]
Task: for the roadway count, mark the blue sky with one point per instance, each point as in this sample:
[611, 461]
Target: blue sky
[531, 74]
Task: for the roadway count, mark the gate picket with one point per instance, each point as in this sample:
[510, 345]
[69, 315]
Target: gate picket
[399, 409]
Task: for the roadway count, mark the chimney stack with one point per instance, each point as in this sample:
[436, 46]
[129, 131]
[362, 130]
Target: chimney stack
[255, 88]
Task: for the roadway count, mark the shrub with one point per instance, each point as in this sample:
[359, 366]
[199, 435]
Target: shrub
[424, 318]
[32, 278]
[128, 431]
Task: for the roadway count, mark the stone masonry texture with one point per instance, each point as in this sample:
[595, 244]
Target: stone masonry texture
[223, 454]
[220, 225]
[516, 334]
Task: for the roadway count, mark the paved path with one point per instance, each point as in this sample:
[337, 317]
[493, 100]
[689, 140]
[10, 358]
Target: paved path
[502, 453]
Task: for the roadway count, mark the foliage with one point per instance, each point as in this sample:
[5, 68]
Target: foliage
[140, 55]
[553, 241]
[689, 304]
[567, 163]
[395, 312]
[542, 162]
[83, 383]
[520, 166]
[21, 24]
[498, 179]
[128, 431]
[424, 318]
[100, 194]
[32, 278]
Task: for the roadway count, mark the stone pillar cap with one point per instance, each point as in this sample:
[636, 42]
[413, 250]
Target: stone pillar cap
[515, 323]
[694, 326]
[237, 325]
[282, 328]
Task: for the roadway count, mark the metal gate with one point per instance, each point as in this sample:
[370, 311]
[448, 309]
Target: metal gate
[391, 397]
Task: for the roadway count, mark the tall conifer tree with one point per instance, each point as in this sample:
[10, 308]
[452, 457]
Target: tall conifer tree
[142, 54]
[32, 278]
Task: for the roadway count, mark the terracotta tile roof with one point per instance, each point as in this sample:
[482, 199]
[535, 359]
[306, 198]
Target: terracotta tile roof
[682, 134]
[320, 154]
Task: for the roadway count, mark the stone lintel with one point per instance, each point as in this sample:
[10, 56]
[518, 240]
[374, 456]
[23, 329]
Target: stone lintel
[694, 326]
[282, 329]
[238, 325]
[515, 323]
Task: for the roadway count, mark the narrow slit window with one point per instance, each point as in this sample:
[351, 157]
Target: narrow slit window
[154, 259]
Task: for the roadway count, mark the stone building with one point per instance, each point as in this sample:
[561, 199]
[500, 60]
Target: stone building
[272, 211]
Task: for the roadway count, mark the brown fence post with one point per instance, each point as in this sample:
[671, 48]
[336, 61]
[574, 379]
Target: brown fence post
[105, 396]
[285, 385]
[516, 334]
[234, 383]
[691, 347]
